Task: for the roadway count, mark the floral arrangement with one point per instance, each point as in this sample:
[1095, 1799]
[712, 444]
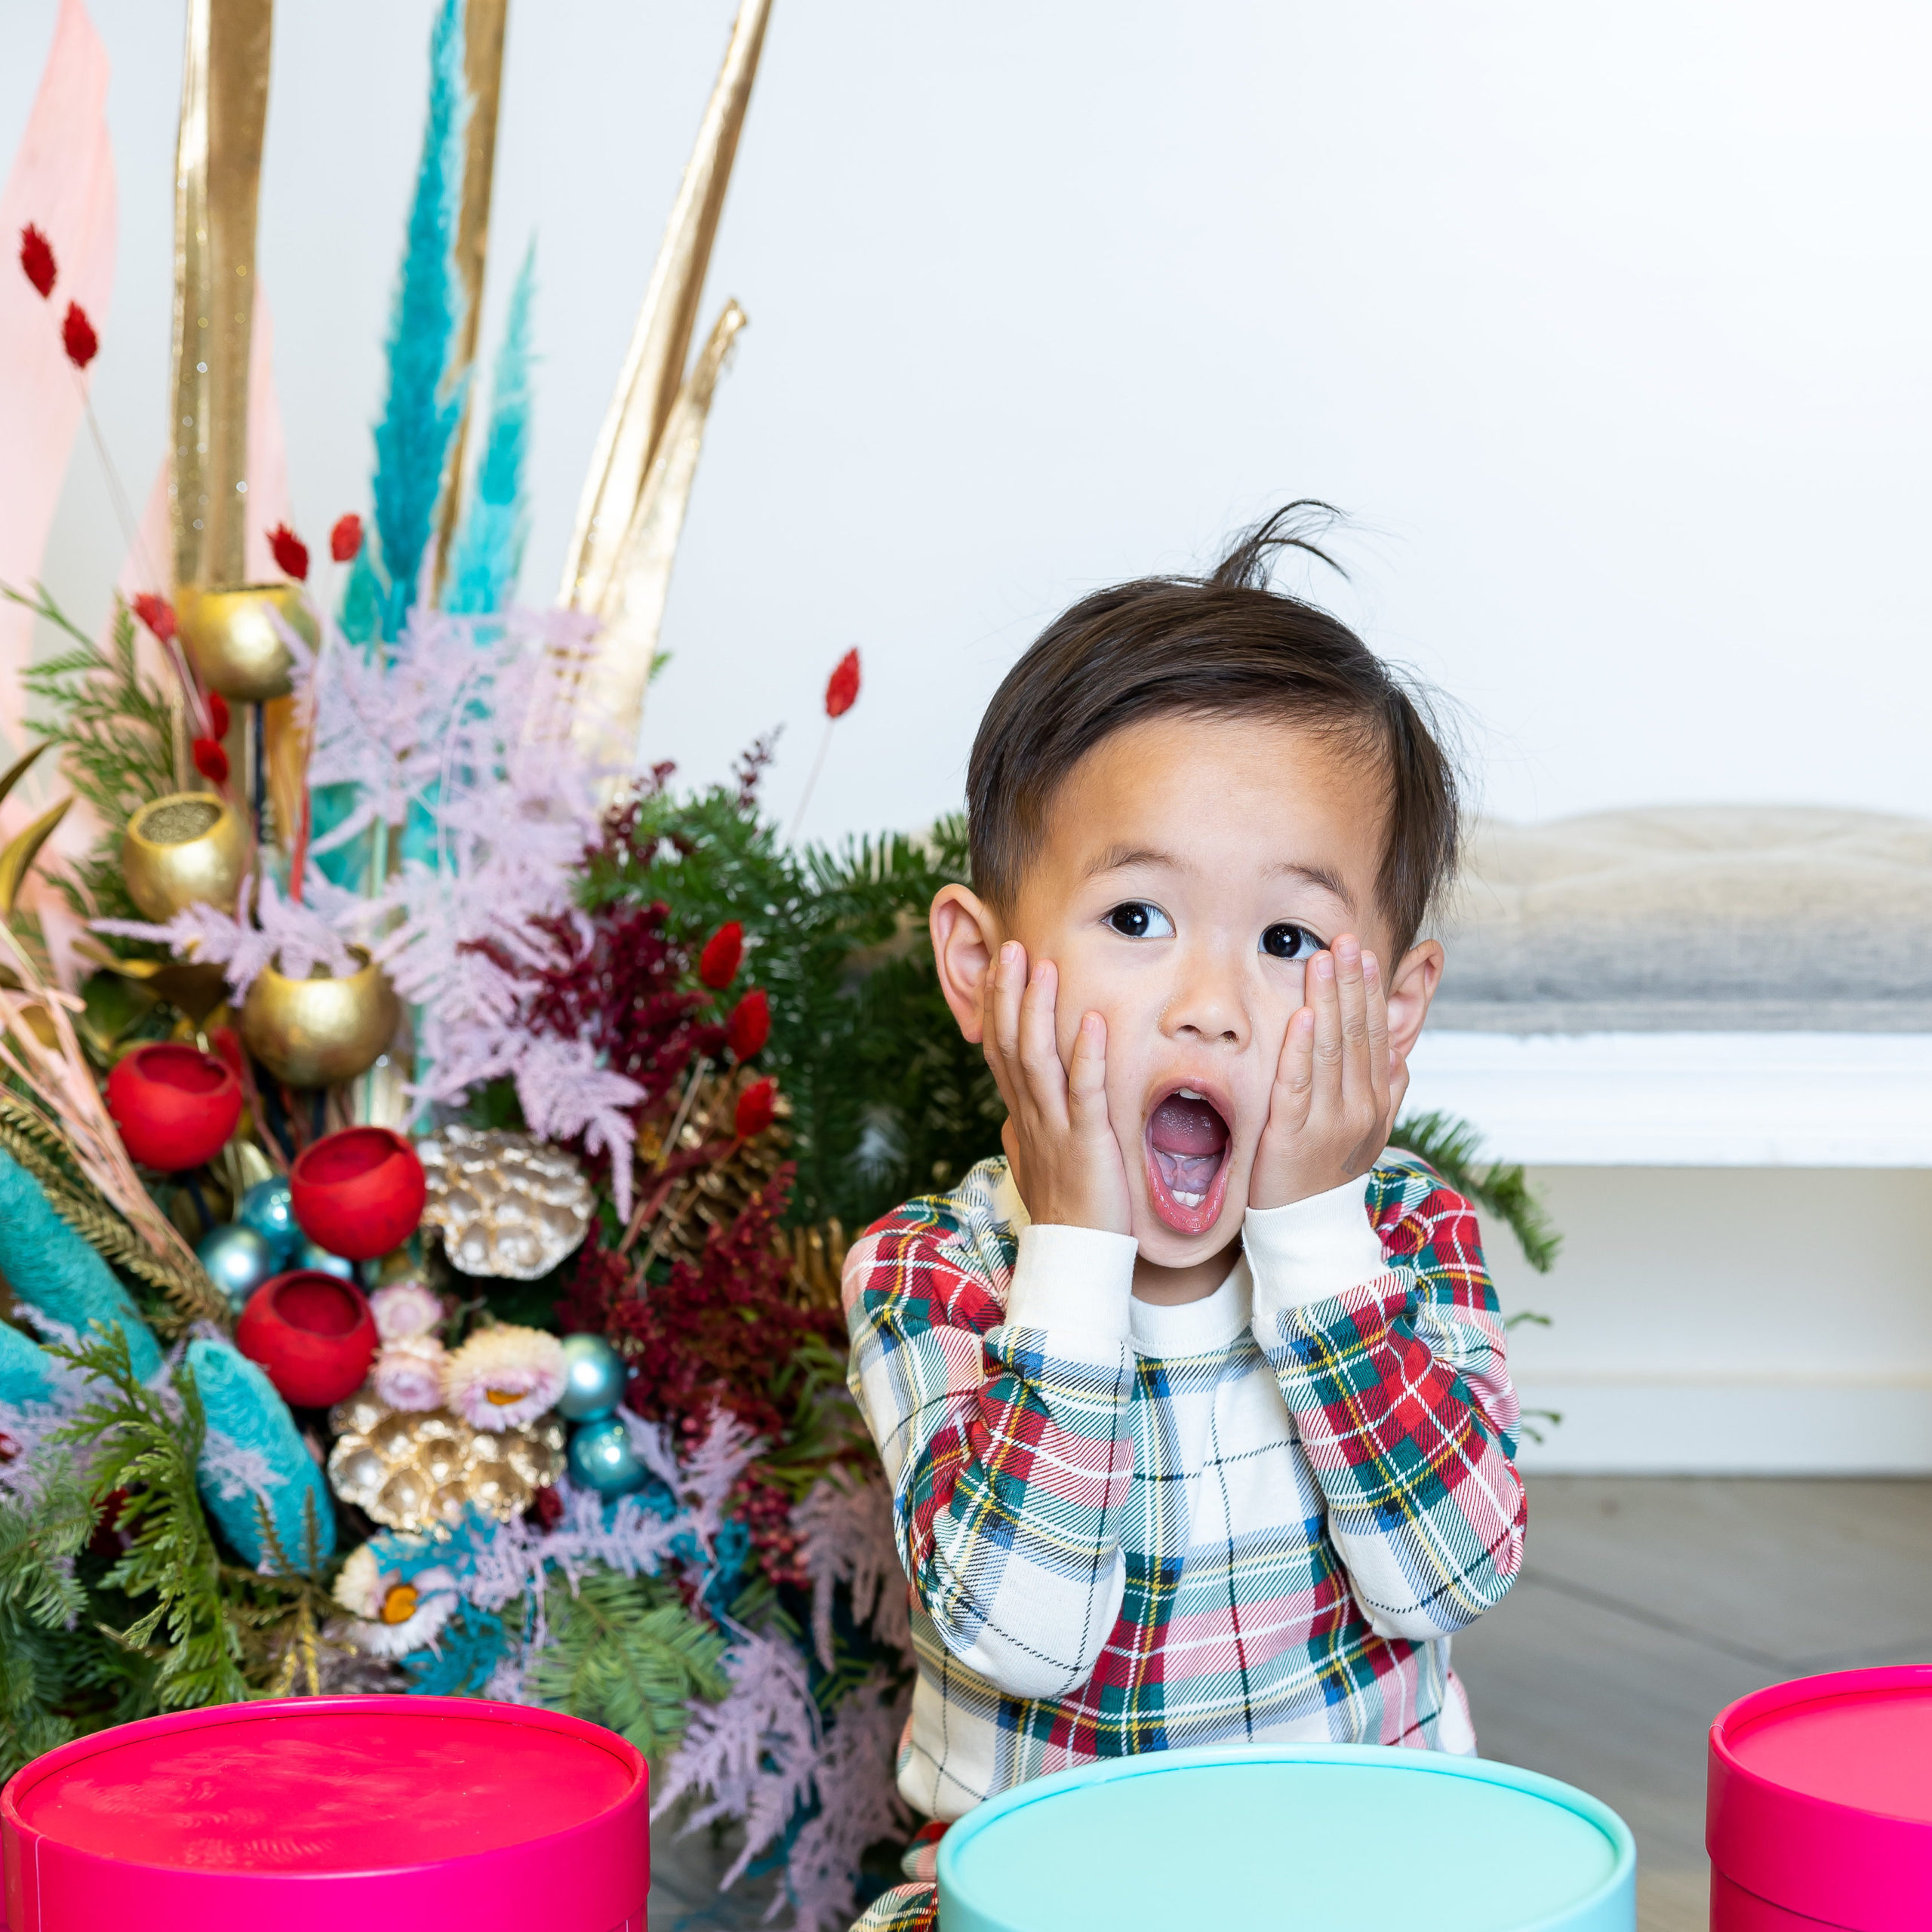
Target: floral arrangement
[492, 1346]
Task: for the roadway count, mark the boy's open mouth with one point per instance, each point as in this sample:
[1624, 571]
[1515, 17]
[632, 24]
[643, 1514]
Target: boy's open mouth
[1188, 1142]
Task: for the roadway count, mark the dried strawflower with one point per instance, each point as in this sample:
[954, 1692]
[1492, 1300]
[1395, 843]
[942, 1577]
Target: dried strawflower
[756, 1105]
[217, 715]
[841, 689]
[503, 1377]
[345, 539]
[290, 553]
[718, 964]
[37, 260]
[405, 1308]
[408, 1373]
[394, 1615]
[749, 1025]
[78, 338]
[157, 613]
[211, 761]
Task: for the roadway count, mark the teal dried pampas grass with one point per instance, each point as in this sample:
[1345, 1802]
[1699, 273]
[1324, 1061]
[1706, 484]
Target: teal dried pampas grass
[425, 400]
[488, 553]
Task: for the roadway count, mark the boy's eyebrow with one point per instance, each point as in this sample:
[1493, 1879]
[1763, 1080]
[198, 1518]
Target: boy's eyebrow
[1118, 858]
[1319, 876]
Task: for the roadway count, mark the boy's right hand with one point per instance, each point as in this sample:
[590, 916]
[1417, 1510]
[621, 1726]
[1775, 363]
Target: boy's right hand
[1065, 1156]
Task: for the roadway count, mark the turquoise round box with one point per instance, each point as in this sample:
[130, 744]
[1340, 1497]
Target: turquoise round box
[1289, 1836]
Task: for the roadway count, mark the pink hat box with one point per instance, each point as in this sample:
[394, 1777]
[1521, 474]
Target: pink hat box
[317, 1814]
[1819, 1811]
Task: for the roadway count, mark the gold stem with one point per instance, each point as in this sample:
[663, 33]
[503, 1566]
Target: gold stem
[224, 103]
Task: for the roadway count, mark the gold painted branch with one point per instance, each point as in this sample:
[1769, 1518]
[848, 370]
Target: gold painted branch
[653, 368]
[609, 710]
[224, 103]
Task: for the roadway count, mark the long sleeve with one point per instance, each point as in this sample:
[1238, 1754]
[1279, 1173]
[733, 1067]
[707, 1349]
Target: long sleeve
[1005, 1435]
[1387, 1342]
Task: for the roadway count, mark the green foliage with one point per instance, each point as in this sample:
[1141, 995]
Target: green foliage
[116, 740]
[41, 1601]
[624, 1652]
[143, 1450]
[887, 1099]
[1453, 1148]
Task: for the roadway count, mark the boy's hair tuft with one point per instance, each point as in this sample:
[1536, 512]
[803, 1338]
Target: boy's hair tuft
[1225, 645]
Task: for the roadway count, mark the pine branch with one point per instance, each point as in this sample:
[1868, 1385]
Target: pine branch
[625, 1652]
[1453, 1148]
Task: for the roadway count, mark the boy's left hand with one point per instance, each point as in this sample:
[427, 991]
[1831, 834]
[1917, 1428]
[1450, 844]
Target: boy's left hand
[1336, 1085]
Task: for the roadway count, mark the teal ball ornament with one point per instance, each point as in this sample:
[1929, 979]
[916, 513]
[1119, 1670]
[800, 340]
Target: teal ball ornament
[268, 1209]
[309, 1256]
[593, 1378]
[238, 1260]
[601, 1458]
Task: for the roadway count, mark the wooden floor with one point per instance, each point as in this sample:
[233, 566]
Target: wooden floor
[1648, 1603]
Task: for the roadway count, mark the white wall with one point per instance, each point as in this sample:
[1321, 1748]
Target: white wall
[1728, 1320]
[1609, 326]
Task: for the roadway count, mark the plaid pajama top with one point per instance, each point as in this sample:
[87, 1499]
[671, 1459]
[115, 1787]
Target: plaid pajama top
[1127, 1526]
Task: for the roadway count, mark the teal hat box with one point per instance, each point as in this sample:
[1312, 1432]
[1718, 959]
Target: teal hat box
[1287, 1837]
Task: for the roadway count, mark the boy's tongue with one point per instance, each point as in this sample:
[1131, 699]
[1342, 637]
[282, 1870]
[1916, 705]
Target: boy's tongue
[1187, 1138]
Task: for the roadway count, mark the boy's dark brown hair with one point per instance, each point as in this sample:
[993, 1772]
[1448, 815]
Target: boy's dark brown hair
[1221, 645]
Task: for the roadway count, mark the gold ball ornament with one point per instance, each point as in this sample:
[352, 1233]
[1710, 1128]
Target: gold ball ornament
[509, 1204]
[319, 1031]
[410, 1471]
[188, 848]
[230, 635]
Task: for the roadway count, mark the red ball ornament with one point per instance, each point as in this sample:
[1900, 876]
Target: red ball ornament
[175, 1107]
[312, 1335]
[358, 1193]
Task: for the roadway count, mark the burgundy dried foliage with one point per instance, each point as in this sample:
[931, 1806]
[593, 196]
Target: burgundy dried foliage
[621, 992]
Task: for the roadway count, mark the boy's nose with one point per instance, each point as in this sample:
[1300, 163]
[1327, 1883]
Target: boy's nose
[1206, 1005]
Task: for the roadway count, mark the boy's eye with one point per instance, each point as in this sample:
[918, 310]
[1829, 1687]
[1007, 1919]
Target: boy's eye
[1283, 941]
[1136, 919]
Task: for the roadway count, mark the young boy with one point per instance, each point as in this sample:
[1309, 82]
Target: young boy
[1194, 1406]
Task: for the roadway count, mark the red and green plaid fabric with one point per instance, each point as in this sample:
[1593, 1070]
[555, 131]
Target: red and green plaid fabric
[1268, 1533]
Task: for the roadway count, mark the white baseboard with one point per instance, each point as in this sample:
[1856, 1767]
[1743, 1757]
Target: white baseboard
[1771, 1426]
[1685, 1100]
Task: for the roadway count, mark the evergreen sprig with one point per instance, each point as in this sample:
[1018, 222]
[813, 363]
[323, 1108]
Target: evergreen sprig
[116, 736]
[1453, 1148]
[41, 1600]
[150, 1454]
[625, 1652]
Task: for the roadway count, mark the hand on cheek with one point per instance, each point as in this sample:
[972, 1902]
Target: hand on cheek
[1335, 1091]
[1065, 1159]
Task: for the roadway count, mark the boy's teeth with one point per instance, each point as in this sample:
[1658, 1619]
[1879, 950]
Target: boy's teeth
[1189, 1200]
[1188, 1093]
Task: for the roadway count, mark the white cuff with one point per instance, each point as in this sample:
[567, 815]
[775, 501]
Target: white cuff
[1315, 1248]
[1080, 1278]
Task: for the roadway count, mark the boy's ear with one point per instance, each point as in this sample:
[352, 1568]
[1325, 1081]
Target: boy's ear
[966, 941]
[1411, 987]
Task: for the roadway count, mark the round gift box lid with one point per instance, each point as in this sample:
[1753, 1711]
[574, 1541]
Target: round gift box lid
[311, 1814]
[1375, 1839]
[1821, 1796]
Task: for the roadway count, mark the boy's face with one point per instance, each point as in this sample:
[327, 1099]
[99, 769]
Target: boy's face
[1192, 867]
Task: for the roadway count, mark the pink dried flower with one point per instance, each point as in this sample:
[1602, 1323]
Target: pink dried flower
[503, 1377]
[408, 1373]
[405, 1308]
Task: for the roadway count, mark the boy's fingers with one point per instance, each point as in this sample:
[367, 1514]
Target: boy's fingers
[1351, 998]
[1378, 1034]
[1039, 1044]
[1086, 1076]
[1294, 1079]
[1326, 1042]
[1003, 1030]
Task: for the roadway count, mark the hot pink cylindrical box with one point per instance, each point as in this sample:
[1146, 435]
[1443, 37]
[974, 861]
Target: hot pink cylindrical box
[1819, 1811]
[319, 1813]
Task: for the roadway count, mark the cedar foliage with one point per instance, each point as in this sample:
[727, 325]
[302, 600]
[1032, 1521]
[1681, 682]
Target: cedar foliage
[625, 1653]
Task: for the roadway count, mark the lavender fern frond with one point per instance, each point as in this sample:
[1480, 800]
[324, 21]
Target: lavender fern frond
[489, 546]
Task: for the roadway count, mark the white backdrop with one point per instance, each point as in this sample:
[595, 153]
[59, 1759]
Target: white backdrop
[1608, 325]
